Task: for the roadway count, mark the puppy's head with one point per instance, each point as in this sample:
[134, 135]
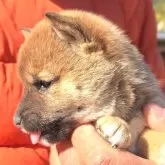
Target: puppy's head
[66, 64]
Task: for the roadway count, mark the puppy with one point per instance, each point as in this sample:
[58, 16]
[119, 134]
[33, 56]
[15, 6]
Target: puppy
[77, 67]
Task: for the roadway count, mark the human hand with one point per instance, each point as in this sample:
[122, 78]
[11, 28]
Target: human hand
[88, 148]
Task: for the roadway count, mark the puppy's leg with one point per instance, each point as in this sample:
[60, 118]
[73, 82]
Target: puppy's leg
[119, 133]
[115, 130]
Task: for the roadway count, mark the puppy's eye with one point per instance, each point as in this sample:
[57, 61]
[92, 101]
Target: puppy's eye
[43, 85]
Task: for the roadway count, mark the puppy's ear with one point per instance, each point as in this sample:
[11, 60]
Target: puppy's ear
[67, 28]
[26, 32]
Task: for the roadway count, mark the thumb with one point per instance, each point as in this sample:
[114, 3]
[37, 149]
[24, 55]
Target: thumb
[155, 117]
[93, 149]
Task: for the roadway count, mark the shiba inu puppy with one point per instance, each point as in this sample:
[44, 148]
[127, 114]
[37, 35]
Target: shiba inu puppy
[77, 67]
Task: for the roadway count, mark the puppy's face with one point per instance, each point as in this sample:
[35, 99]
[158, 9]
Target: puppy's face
[65, 73]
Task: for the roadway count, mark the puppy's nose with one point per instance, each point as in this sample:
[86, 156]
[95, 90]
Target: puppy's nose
[17, 120]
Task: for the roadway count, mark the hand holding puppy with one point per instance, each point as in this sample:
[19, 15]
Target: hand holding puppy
[89, 148]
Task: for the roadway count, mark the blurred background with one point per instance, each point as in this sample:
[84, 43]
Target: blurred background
[159, 6]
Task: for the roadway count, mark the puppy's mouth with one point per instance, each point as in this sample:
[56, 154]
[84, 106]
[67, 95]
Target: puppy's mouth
[50, 134]
[35, 137]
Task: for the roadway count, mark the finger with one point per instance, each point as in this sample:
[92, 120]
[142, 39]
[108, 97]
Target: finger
[53, 157]
[96, 151]
[67, 154]
[155, 117]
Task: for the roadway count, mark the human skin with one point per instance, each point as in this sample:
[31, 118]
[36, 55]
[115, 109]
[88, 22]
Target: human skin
[88, 148]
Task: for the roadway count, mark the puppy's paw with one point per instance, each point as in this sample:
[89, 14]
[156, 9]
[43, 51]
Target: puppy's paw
[115, 131]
